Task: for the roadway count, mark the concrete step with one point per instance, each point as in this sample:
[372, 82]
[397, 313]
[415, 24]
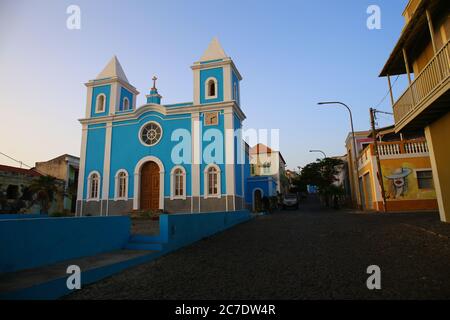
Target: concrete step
[49, 282]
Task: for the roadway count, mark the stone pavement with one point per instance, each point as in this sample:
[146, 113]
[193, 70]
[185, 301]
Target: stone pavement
[311, 253]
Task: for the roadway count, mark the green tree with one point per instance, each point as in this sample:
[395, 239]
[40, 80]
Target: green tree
[322, 173]
[45, 188]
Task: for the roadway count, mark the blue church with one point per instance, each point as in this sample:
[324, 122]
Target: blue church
[152, 157]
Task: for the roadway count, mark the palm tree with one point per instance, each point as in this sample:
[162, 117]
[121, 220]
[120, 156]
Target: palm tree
[45, 187]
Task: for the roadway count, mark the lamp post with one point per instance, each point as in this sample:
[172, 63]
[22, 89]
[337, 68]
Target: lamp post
[353, 138]
[319, 151]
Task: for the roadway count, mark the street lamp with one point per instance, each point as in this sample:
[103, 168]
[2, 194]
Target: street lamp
[353, 138]
[319, 151]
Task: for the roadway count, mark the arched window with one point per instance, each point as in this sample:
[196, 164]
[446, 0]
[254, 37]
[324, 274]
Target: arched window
[94, 186]
[121, 185]
[178, 183]
[235, 92]
[211, 88]
[100, 103]
[126, 104]
[212, 181]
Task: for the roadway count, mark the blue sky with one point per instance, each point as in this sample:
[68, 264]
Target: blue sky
[291, 55]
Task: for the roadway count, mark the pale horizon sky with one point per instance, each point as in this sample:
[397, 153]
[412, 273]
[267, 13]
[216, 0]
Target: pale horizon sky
[291, 55]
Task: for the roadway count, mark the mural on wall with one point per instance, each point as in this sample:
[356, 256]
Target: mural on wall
[398, 182]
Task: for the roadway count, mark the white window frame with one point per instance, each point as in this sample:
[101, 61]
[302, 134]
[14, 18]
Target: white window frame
[123, 104]
[117, 185]
[206, 194]
[207, 96]
[97, 109]
[173, 196]
[89, 186]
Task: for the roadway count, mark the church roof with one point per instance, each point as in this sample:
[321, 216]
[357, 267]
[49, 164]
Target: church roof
[113, 69]
[214, 51]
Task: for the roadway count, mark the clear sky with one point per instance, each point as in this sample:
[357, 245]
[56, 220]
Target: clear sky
[291, 55]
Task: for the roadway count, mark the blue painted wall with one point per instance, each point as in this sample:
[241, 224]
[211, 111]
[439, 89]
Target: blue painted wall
[178, 230]
[30, 243]
[266, 183]
[106, 90]
[204, 75]
[127, 150]
[125, 93]
[220, 127]
[95, 153]
[238, 167]
[21, 216]
[235, 80]
[247, 175]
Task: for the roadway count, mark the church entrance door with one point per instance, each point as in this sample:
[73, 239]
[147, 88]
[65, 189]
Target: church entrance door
[150, 186]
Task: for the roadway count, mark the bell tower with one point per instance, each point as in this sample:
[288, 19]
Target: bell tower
[216, 78]
[110, 92]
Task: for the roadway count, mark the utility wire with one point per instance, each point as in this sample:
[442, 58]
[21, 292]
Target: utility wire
[22, 163]
[387, 93]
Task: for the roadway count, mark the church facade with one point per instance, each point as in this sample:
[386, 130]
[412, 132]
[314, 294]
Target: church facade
[186, 157]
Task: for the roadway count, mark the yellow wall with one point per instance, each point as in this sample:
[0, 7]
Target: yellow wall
[362, 172]
[438, 134]
[412, 191]
[441, 35]
[411, 198]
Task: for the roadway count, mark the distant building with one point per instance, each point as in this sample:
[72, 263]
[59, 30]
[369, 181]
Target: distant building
[15, 195]
[406, 173]
[267, 162]
[362, 140]
[291, 175]
[422, 52]
[64, 168]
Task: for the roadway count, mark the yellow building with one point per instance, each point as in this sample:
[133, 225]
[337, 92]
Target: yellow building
[423, 54]
[362, 139]
[406, 171]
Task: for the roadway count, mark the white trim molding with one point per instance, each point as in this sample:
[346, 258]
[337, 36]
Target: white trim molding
[136, 114]
[216, 88]
[117, 185]
[137, 181]
[97, 109]
[196, 158]
[89, 186]
[81, 174]
[206, 194]
[173, 184]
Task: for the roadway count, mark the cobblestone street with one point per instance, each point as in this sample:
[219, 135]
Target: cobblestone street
[311, 253]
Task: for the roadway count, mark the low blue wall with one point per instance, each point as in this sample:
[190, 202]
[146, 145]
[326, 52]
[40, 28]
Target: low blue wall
[83, 236]
[22, 216]
[29, 243]
[178, 230]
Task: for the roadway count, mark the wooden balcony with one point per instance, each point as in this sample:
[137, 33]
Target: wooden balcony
[393, 150]
[428, 86]
[410, 9]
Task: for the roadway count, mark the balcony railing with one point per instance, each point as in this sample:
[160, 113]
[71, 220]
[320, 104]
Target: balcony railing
[407, 148]
[436, 72]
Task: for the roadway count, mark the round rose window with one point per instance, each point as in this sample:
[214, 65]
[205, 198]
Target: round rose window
[151, 133]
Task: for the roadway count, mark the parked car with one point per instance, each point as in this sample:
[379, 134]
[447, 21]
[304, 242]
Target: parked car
[290, 200]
